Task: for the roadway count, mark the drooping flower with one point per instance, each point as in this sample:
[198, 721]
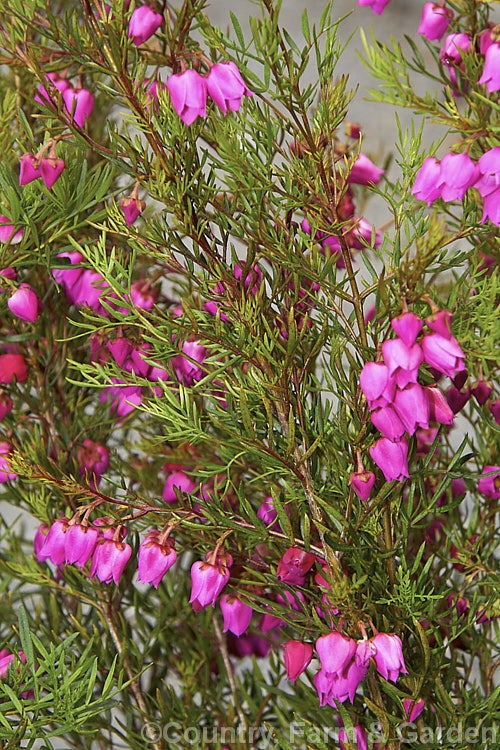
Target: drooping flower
[426, 185]
[79, 103]
[377, 385]
[237, 614]
[391, 458]
[51, 168]
[435, 21]
[444, 354]
[412, 407]
[293, 566]
[226, 86]
[402, 361]
[297, 656]
[362, 482]
[177, 480]
[491, 71]
[12, 366]
[377, 6]
[29, 169]
[207, 582]
[389, 655]
[93, 460]
[53, 548]
[155, 558]
[109, 560]
[24, 303]
[336, 652]
[188, 93]
[489, 172]
[79, 544]
[407, 327]
[364, 171]
[439, 409]
[144, 23]
[457, 174]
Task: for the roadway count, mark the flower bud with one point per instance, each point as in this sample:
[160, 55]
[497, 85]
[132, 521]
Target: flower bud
[24, 304]
[237, 614]
[144, 23]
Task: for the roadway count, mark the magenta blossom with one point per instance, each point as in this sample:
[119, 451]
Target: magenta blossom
[458, 173]
[377, 6]
[144, 23]
[155, 558]
[356, 737]
[435, 21]
[53, 548]
[207, 582]
[51, 168]
[79, 544]
[24, 304]
[237, 614]
[389, 655]
[12, 366]
[188, 93]
[407, 327]
[426, 186]
[29, 169]
[226, 86]
[364, 171]
[362, 483]
[391, 458]
[491, 71]
[109, 560]
[79, 103]
[444, 354]
[336, 652]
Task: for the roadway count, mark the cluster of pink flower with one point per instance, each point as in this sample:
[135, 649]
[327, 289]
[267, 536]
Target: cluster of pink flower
[398, 403]
[450, 179]
[78, 102]
[344, 662]
[68, 542]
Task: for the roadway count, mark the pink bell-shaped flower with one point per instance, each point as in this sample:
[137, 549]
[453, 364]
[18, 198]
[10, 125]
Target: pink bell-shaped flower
[24, 304]
[388, 423]
[237, 614]
[336, 652]
[426, 185]
[407, 326]
[79, 544]
[377, 6]
[489, 171]
[156, 556]
[364, 171]
[29, 169]
[439, 409]
[412, 407]
[144, 23]
[226, 86]
[491, 71]
[6, 473]
[435, 21]
[458, 173]
[403, 361]
[54, 546]
[109, 560]
[440, 322]
[362, 483]
[297, 656]
[494, 407]
[391, 458]
[12, 366]
[377, 385]
[207, 582]
[188, 93]
[79, 103]
[454, 45]
[52, 83]
[51, 168]
[444, 354]
[132, 208]
[389, 656]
